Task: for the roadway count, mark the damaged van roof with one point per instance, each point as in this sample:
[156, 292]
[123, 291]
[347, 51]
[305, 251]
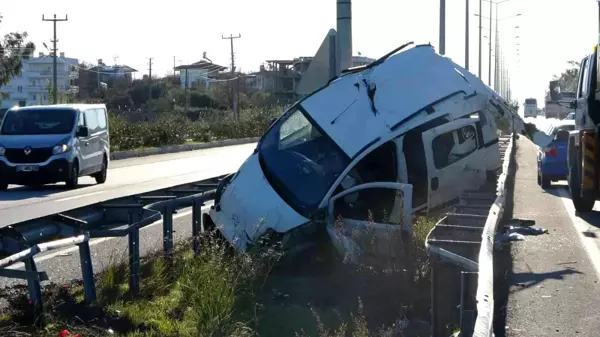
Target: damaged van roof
[357, 108]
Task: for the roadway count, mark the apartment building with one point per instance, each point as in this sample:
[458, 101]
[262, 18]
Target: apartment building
[33, 85]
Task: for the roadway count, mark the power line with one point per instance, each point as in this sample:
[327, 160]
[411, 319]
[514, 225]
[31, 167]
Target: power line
[54, 52]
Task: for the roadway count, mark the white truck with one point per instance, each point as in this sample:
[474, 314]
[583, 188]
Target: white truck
[530, 108]
[407, 133]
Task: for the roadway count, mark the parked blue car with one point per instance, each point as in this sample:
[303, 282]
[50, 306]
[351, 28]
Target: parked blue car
[552, 159]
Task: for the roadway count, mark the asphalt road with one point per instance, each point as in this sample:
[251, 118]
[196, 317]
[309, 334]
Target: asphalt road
[554, 289]
[125, 177]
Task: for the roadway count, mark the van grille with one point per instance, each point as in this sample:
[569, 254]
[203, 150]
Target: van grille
[18, 156]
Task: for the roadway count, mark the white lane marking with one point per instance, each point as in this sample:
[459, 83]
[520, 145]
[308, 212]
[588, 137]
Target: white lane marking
[80, 196]
[94, 242]
[589, 243]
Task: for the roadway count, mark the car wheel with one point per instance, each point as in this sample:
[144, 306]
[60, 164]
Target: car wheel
[101, 176]
[73, 179]
[546, 183]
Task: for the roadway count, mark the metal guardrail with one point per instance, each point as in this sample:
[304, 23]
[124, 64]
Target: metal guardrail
[464, 240]
[485, 282]
[23, 241]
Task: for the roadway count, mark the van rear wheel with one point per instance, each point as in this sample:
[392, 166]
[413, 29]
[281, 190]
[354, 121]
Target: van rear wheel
[101, 176]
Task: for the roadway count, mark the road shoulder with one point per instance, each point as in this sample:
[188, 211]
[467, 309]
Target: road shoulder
[553, 285]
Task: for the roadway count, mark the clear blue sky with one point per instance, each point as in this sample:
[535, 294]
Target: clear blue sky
[550, 32]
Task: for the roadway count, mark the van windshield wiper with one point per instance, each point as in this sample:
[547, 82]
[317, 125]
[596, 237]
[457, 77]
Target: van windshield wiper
[378, 61]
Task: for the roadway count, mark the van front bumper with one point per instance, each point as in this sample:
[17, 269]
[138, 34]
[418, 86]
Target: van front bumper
[55, 169]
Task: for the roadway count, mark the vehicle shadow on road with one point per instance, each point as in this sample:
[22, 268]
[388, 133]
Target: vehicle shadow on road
[524, 280]
[24, 192]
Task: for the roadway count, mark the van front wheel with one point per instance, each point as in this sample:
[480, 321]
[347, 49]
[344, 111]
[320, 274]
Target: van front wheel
[73, 179]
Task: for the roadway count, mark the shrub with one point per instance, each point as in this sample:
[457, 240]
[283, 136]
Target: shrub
[175, 128]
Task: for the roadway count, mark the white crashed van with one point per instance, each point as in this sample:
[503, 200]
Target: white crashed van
[409, 132]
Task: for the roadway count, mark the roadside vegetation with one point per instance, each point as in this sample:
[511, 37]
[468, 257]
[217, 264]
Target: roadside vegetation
[175, 128]
[219, 293]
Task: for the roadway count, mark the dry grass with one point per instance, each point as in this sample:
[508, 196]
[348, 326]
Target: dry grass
[217, 293]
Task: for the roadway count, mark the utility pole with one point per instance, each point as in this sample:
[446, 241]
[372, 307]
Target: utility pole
[149, 84]
[174, 65]
[490, 50]
[233, 99]
[497, 55]
[442, 27]
[480, 29]
[467, 34]
[54, 52]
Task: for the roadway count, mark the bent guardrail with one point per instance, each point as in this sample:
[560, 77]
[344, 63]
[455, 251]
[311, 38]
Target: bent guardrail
[461, 251]
[113, 218]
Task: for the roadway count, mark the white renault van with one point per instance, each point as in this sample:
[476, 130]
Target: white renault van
[411, 125]
[54, 143]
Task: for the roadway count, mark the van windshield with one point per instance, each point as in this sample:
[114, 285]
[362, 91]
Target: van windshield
[300, 162]
[38, 122]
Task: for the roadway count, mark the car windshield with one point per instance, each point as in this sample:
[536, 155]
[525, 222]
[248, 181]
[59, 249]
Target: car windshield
[38, 122]
[300, 162]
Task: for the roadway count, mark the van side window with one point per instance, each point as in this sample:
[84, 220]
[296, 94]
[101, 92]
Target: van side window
[101, 118]
[91, 119]
[451, 147]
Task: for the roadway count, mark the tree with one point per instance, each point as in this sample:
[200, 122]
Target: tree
[13, 49]
[567, 80]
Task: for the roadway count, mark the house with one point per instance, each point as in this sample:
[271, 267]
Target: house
[199, 72]
[34, 84]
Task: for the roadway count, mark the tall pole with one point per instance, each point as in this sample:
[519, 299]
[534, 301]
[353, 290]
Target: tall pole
[174, 65]
[344, 34]
[467, 34]
[497, 57]
[442, 27]
[54, 63]
[233, 99]
[149, 84]
[480, 36]
[490, 50]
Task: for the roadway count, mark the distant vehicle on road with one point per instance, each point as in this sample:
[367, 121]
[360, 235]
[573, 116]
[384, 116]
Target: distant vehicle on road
[570, 116]
[552, 158]
[530, 108]
[54, 143]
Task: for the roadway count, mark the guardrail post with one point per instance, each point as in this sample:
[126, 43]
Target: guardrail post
[34, 286]
[87, 271]
[134, 258]
[168, 231]
[196, 225]
[466, 313]
[434, 297]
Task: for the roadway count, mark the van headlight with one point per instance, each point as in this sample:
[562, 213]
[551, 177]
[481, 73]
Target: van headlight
[2, 150]
[62, 148]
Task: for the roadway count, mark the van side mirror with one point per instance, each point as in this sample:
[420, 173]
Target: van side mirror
[82, 131]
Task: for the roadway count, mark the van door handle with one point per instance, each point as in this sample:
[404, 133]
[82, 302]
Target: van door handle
[87, 143]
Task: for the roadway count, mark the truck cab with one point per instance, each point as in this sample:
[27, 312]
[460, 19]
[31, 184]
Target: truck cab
[367, 150]
[583, 141]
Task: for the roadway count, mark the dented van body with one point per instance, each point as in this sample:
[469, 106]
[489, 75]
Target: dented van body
[407, 135]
